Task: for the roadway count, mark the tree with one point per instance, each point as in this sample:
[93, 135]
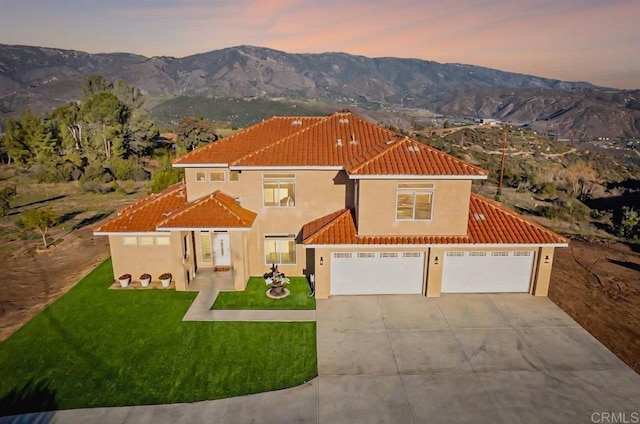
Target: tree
[13, 141]
[165, 175]
[194, 132]
[130, 96]
[69, 123]
[139, 133]
[95, 84]
[40, 220]
[629, 227]
[105, 116]
[6, 194]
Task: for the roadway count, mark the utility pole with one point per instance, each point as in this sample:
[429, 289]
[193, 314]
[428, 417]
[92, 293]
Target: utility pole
[504, 152]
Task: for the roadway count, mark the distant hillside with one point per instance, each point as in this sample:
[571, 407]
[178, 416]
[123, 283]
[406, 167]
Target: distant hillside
[242, 112]
[40, 78]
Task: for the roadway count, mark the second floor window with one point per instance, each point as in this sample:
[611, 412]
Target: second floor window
[279, 190]
[414, 202]
[216, 176]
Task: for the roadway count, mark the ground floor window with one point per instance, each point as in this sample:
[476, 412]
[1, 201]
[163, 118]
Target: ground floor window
[280, 249]
[146, 240]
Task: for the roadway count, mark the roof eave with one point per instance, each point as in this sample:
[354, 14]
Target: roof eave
[429, 245]
[130, 233]
[200, 165]
[416, 177]
[203, 228]
[287, 167]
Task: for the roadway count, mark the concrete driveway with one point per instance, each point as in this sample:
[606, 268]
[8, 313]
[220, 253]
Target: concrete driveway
[506, 358]
[464, 358]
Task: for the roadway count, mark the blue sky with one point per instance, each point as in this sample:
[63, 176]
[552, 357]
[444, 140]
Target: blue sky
[587, 40]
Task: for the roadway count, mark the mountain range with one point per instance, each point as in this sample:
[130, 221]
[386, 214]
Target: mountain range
[41, 78]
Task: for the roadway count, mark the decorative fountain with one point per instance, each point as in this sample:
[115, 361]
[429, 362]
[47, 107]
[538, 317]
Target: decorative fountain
[276, 282]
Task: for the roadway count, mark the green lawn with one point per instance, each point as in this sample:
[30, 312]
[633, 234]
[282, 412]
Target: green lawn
[99, 347]
[254, 297]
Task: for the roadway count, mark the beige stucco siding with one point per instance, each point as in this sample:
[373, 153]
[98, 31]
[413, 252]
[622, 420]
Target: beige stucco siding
[152, 259]
[377, 208]
[317, 193]
[543, 265]
[198, 189]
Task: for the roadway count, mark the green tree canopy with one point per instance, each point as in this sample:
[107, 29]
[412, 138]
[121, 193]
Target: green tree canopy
[105, 117]
[6, 194]
[41, 220]
[194, 132]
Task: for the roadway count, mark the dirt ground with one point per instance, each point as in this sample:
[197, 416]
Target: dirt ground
[32, 281]
[598, 284]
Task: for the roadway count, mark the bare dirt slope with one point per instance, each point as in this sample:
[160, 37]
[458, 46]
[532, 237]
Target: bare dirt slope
[31, 281]
[598, 285]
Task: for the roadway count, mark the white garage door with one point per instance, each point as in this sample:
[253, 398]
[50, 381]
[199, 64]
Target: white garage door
[376, 272]
[486, 272]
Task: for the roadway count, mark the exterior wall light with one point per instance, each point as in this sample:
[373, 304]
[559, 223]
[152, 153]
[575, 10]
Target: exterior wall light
[435, 262]
[546, 259]
[322, 260]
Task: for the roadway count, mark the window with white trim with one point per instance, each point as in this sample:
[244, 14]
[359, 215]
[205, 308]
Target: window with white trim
[234, 175]
[216, 176]
[163, 241]
[146, 241]
[414, 202]
[280, 249]
[279, 190]
[130, 241]
[201, 176]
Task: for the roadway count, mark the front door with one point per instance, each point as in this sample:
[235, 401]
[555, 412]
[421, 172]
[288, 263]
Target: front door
[221, 251]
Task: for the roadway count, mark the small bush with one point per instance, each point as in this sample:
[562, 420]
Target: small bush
[100, 188]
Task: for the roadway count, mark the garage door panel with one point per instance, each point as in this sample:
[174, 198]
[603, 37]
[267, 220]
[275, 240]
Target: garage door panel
[377, 272]
[487, 272]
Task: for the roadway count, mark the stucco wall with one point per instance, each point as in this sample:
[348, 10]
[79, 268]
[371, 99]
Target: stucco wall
[154, 260]
[377, 208]
[543, 265]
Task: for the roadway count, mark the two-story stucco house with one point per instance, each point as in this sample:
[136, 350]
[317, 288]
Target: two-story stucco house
[365, 210]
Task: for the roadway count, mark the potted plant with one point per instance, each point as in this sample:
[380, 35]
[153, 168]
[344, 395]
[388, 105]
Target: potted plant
[145, 279]
[165, 279]
[124, 280]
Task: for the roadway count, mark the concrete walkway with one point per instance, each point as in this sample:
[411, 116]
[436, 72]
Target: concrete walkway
[209, 284]
[407, 359]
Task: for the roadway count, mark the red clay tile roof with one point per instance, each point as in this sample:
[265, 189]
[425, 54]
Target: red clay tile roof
[489, 223]
[340, 139]
[214, 211]
[403, 156]
[169, 209]
[230, 149]
[333, 141]
[144, 214]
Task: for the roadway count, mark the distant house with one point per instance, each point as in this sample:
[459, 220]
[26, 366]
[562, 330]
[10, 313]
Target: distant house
[365, 210]
[489, 121]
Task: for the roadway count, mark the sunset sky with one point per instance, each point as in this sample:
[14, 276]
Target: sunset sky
[577, 40]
